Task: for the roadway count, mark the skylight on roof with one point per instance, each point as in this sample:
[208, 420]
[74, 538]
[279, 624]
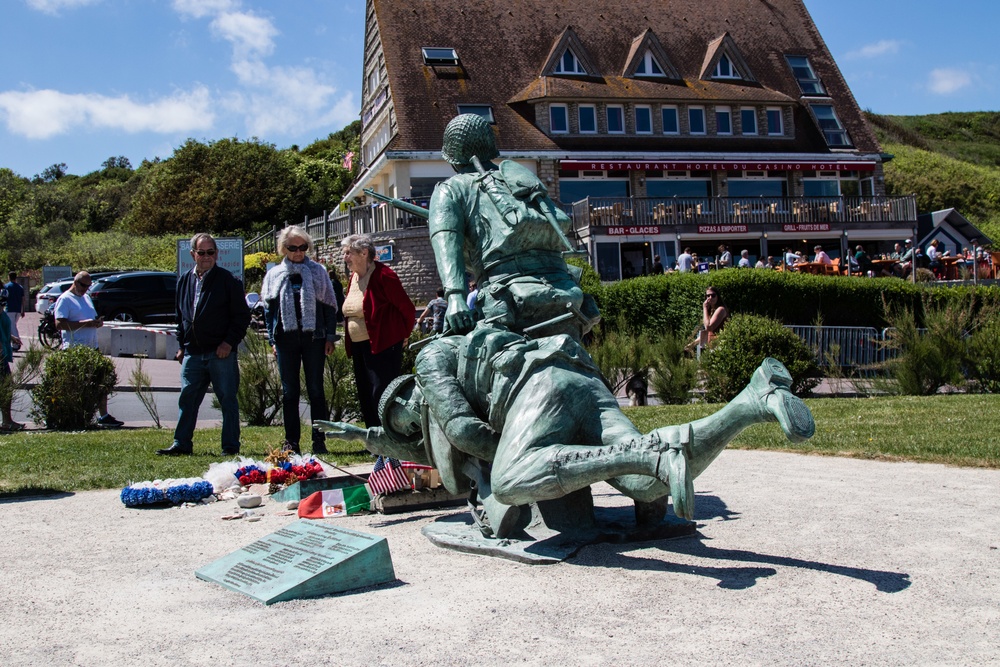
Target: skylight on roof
[484, 110]
[439, 55]
[809, 83]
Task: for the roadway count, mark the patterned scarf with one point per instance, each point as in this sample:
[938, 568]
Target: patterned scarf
[316, 286]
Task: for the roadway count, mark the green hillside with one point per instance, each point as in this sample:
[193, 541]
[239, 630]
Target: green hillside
[949, 160]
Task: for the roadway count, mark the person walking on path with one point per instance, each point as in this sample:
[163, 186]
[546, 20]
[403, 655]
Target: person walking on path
[212, 319]
[77, 319]
[435, 311]
[15, 305]
[300, 310]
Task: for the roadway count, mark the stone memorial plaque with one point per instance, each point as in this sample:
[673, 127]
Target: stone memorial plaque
[304, 559]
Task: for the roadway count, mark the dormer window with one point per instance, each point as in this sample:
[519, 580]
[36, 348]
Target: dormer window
[724, 69]
[648, 66]
[569, 64]
[829, 123]
[484, 110]
[809, 83]
[437, 55]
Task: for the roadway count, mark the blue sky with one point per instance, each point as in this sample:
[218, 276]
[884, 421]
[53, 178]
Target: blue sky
[84, 80]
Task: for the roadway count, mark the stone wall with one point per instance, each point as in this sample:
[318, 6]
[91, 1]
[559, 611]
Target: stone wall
[412, 260]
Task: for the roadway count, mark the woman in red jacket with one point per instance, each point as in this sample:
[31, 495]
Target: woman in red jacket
[378, 318]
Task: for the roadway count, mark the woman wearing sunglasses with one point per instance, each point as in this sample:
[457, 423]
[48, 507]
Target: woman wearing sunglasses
[301, 318]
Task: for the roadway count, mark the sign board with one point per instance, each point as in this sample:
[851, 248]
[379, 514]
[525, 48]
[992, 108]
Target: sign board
[308, 558]
[720, 165]
[814, 227]
[51, 274]
[230, 256]
[723, 229]
[383, 253]
[631, 231]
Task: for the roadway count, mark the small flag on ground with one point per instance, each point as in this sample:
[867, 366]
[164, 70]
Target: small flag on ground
[335, 502]
[387, 476]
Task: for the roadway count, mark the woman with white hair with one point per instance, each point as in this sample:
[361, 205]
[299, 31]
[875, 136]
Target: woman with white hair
[301, 317]
[378, 318]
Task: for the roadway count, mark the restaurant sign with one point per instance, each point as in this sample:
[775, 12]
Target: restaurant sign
[632, 231]
[723, 229]
[816, 227]
[719, 165]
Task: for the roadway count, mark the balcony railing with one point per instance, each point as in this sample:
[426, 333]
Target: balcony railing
[363, 220]
[750, 211]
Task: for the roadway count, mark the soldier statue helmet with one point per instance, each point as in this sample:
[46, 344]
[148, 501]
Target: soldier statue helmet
[468, 135]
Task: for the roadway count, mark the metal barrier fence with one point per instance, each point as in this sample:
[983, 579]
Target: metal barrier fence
[858, 351]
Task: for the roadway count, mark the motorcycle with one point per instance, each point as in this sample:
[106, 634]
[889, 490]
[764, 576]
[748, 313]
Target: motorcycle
[48, 335]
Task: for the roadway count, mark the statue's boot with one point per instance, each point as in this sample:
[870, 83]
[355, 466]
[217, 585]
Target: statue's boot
[662, 454]
[767, 398]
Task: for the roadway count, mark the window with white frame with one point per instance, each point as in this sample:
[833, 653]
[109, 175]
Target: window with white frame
[671, 124]
[569, 64]
[748, 120]
[723, 120]
[616, 119]
[437, 55]
[643, 119]
[809, 83]
[587, 117]
[696, 120]
[484, 110]
[648, 66]
[775, 122]
[558, 119]
[373, 80]
[724, 69]
[833, 130]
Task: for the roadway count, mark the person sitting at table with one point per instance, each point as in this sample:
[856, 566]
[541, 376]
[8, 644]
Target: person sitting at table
[934, 259]
[910, 258]
[863, 261]
[821, 256]
[713, 315]
[791, 259]
[744, 259]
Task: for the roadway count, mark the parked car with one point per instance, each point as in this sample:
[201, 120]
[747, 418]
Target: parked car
[48, 294]
[139, 296]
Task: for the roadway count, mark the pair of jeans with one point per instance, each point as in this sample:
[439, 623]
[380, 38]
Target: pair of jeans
[197, 370]
[373, 373]
[299, 349]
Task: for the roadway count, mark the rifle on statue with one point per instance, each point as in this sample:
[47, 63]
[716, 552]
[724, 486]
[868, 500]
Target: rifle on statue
[400, 204]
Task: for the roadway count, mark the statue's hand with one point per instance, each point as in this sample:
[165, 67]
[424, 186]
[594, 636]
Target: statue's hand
[341, 430]
[458, 315]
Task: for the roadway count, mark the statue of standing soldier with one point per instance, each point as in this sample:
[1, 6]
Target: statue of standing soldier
[508, 396]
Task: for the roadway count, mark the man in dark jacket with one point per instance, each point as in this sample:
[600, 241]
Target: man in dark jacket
[212, 318]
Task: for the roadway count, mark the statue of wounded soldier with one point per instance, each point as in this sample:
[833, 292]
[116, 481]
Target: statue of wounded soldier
[508, 401]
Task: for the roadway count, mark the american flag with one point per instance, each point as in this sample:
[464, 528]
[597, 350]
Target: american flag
[387, 476]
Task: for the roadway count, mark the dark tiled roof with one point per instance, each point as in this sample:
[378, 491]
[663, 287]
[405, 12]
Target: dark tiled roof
[503, 45]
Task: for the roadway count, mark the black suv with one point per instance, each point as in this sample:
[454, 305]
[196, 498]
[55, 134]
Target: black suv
[138, 296]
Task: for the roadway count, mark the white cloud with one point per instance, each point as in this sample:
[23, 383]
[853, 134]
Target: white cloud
[42, 114]
[944, 81]
[249, 34]
[54, 6]
[201, 8]
[287, 100]
[879, 48]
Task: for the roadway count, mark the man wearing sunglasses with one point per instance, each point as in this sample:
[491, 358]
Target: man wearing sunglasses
[212, 318]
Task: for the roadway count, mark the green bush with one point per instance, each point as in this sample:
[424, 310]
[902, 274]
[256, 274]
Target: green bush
[672, 373]
[72, 387]
[984, 358]
[259, 394]
[743, 344]
[341, 387]
[620, 355]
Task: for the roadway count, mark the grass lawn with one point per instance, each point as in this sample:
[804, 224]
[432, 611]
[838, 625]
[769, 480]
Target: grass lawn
[955, 430]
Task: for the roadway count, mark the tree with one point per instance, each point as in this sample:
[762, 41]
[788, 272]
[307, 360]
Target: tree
[120, 162]
[51, 174]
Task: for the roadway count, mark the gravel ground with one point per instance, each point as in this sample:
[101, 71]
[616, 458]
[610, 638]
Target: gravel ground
[799, 560]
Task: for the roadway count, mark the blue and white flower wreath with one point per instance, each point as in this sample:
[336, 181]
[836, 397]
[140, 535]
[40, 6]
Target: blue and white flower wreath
[188, 490]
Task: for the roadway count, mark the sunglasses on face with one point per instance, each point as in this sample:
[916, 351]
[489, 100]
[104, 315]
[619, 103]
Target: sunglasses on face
[202, 253]
[297, 248]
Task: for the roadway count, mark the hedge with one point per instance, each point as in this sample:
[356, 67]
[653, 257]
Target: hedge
[672, 302]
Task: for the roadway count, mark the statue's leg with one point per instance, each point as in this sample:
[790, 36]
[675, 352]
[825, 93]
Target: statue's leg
[766, 399]
[437, 371]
